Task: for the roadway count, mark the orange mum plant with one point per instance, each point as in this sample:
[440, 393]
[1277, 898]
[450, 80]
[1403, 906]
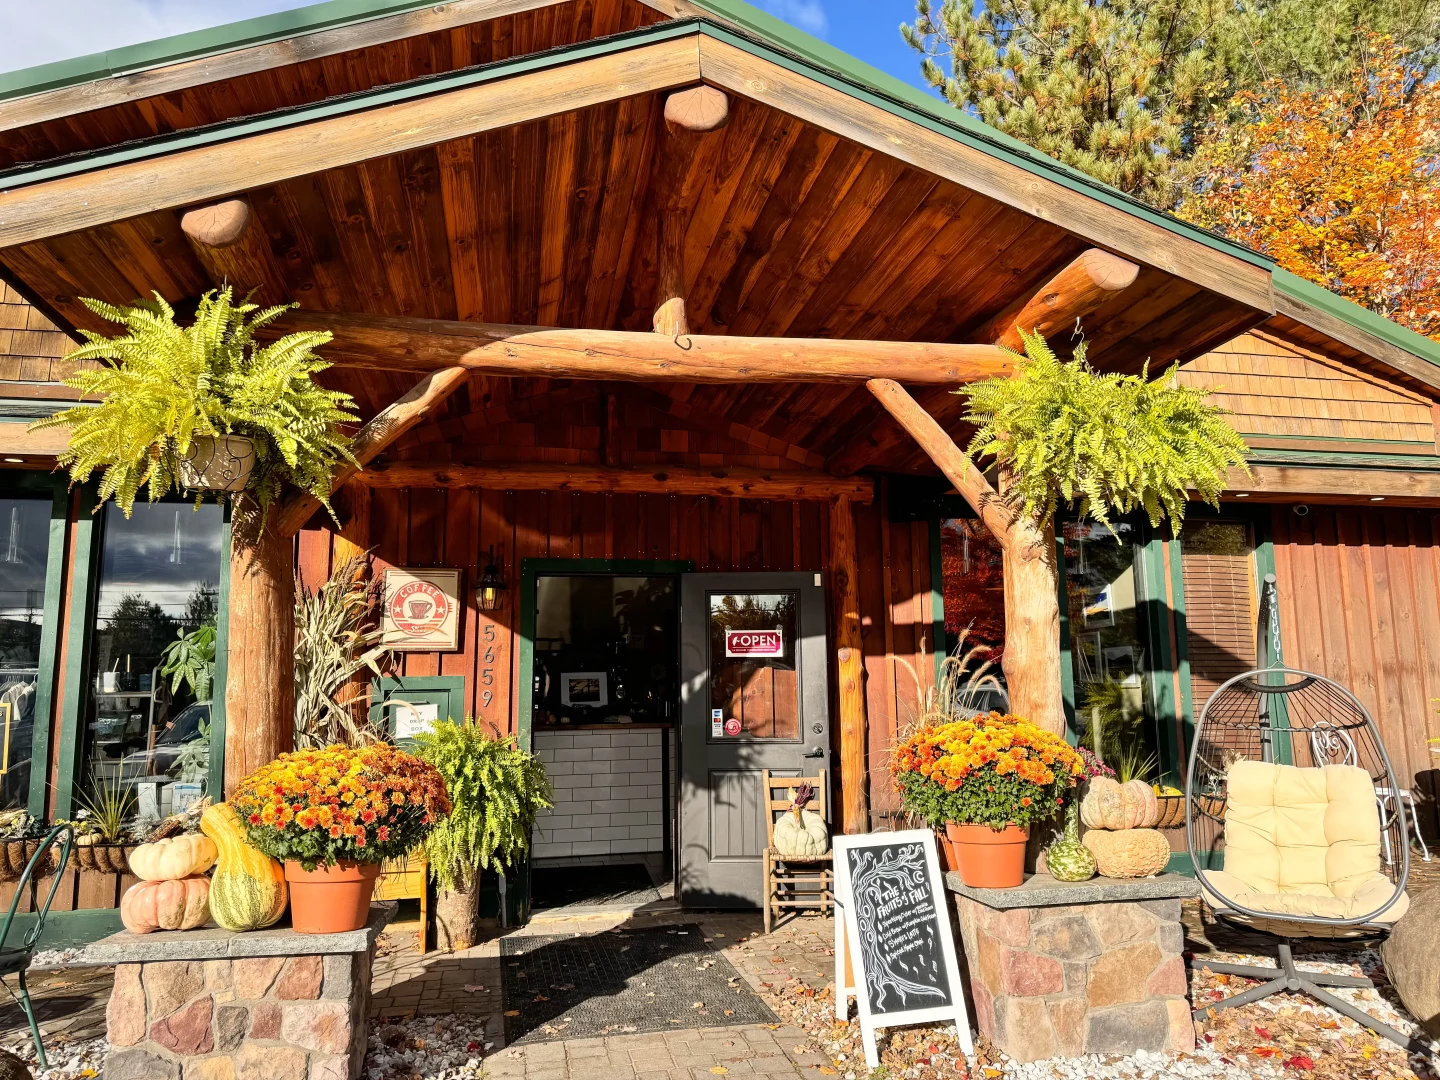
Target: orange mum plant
[342, 804]
[993, 770]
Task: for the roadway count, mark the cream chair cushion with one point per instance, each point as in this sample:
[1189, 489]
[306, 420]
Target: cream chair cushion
[1302, 842]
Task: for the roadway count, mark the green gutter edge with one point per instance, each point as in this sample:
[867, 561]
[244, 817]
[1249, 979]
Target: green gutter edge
[1307, 292]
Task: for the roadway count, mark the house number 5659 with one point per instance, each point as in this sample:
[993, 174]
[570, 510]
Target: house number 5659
[488, 637]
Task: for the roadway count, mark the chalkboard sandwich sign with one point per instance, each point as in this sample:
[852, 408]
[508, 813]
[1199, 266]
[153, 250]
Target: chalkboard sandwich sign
[893, 924]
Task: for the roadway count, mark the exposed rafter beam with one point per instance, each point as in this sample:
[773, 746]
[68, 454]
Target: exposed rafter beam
[409, 344]
[690, 115]
[661, 480]
[372, 439]
[1077, 290]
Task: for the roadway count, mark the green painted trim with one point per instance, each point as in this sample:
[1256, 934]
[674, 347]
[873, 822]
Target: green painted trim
[937, 599]
[1307, 292]
[1160, 661]
[21, 176]
[69, 929]
[1180, 862]
[130, 59]
[1067, 661]
[1361, 461]
[532, 568]
[27, 409]
[49, 644]
[1419, 445]
[1182, 646]
[89, 531]
[222, 664]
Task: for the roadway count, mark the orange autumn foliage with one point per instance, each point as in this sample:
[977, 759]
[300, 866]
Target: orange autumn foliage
[1340, 186]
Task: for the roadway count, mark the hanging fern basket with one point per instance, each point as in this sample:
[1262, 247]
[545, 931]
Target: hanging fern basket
[218, 463]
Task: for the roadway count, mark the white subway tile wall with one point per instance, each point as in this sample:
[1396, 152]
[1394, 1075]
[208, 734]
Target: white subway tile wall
[608, 794]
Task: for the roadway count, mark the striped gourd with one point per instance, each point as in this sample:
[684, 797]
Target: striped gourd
[247, 891]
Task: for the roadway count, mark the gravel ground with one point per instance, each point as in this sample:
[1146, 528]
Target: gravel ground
[57, 958]
[447, 1047]
[68, 1060]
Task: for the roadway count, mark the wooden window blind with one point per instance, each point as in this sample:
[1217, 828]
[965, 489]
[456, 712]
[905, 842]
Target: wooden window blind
[1217, 560]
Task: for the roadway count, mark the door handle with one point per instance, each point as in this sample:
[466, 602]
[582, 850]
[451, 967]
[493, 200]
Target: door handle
[814, 751]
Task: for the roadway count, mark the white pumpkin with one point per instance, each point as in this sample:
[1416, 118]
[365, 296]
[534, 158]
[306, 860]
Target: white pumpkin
[801, 834]
[173, 858]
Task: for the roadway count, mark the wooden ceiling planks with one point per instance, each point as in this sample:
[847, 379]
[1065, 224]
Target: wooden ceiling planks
[386, 63]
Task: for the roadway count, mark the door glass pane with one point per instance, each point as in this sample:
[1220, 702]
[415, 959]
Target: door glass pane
[754, 689]
[973, 579]
[1107, 645]
[24, 533]
[159, 575]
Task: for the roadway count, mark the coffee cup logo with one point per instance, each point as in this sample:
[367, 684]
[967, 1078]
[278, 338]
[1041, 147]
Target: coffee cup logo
[419, 609]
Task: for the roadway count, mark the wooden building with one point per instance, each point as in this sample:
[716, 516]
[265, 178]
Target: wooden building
[613, 282]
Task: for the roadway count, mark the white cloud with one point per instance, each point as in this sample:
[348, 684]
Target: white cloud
[39, 32]
[808, 15]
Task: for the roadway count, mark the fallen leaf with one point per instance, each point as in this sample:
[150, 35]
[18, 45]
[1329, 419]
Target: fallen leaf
[512, 1012]
[719, 1070]
[827, 1070]
[476, 988]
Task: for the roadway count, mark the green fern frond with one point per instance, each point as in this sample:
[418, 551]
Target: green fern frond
[496, 789]
[1111, 443]
[160, 385]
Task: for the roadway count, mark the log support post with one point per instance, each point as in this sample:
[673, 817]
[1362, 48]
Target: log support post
[1032, 605]
[849, 668]
[260, 683]
[689, 116]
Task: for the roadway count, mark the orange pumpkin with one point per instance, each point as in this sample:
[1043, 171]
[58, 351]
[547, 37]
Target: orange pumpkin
[177, 904]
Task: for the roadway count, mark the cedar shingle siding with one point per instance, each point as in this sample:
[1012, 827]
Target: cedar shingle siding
[32, 349]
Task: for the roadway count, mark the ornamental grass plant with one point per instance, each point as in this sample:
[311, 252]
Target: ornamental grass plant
[361, 804]
[994, 770]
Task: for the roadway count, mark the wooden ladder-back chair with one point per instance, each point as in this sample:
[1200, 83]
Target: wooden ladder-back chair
[1285, 818]
[793, 882]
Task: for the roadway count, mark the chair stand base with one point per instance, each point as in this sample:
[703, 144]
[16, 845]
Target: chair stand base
[1287, 978]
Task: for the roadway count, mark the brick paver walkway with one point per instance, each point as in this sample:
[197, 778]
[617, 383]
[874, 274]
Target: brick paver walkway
[407, 984]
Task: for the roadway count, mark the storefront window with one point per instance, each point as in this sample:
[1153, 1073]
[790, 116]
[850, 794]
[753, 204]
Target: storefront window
[159, 578]
[24, 534]
[1107, 645]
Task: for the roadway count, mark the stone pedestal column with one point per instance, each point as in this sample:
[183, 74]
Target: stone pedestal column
[215, 1005]
[1061, 969]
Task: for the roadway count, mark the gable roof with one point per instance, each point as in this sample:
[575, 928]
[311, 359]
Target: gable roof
[782, 43]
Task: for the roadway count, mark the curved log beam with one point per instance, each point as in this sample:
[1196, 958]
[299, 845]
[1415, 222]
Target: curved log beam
[1081, 287]
[727, 483]
[218, 225]
[408, 344]
[386, 426]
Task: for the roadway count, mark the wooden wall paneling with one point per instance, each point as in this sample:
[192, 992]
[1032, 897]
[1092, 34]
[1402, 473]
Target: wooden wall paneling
[460, 196]
[420, 172]
[872, 592]
[426, 525]
[624, 527]
[462, 538]
[633, 140]
[496, 159]
[526, 186]
[579, 228]
[97, 890]
[312, 555]
[1387, 660]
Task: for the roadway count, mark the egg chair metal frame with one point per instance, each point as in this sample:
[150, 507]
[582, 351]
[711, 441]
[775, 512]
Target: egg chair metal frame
[1287, 716]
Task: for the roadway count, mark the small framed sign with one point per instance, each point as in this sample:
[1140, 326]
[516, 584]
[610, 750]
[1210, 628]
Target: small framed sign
[421, 611]
[892, 931]
[588, 689]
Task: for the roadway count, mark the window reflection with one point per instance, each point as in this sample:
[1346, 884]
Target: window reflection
[754, 690]
[158, 580]
[1107, 644]
[24, 535]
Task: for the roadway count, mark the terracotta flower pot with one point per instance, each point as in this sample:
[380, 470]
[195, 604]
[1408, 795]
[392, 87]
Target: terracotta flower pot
[330, 899]
[989, 859]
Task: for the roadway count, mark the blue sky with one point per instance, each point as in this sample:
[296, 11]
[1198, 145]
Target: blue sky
[39, 32]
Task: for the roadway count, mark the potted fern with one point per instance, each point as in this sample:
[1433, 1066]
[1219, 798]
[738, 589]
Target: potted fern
[496, 790]
[203, 407]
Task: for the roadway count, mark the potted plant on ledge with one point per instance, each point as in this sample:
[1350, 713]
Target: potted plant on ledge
[332, 817]
[987, 780]
[203, 408]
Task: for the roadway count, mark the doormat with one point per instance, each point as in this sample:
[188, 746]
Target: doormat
[558, 886]
[579, 986]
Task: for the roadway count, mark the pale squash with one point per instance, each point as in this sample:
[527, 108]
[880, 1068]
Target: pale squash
[801, 833]
[173, 858]
[170, 904]
[1128, 853]
[1109, 804]
[248, 890]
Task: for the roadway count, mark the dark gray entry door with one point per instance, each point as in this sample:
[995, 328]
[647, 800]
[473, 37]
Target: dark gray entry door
[753, 696]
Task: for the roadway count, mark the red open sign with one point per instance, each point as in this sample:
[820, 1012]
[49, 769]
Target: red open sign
[754, 643]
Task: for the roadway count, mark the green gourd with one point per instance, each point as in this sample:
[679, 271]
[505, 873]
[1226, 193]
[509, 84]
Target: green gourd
[248, 891]
[1068, 859]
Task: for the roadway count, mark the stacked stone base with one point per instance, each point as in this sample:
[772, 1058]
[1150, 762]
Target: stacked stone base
[1066, 980]
[259, 1018]
[213, 1005]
